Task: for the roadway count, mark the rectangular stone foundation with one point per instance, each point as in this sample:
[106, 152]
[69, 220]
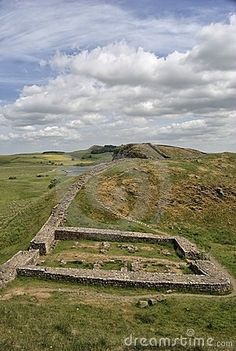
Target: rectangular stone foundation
[183, 246]
[191, 282]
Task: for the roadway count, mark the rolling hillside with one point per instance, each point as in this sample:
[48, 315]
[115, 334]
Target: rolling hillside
[190, 197]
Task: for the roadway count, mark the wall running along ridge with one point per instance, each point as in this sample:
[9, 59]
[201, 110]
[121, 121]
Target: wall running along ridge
[45, 239]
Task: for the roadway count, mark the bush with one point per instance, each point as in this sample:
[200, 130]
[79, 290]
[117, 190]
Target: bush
[53, 183]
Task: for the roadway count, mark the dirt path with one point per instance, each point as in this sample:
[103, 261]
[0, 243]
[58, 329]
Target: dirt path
[78, 294]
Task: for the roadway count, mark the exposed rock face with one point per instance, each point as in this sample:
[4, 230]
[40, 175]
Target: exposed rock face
[143, 151]
[220, 192]
[155, 152]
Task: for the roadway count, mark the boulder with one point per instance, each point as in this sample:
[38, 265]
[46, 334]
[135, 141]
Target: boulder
[152, 301]
[143, 304]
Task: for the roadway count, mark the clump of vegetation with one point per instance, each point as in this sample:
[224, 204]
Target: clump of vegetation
[53, 152]
[96, 149]
[53, 183]
[86, 156]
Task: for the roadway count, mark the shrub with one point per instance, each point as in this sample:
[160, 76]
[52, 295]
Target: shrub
[53, 183]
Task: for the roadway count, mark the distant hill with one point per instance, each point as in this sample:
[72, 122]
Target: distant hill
[154, 152]
[53, 152]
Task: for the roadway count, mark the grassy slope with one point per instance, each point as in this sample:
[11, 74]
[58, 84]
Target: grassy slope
[26, 201]
[86, 157]
[187, 189]
[92, 318]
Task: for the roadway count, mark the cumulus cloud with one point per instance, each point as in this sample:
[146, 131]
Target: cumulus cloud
[120, 93]
[212, 53]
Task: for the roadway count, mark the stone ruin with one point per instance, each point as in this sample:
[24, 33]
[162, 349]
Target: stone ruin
[206, 276]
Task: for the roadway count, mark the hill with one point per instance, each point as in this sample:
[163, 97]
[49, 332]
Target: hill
[154, 152]
[193, 197]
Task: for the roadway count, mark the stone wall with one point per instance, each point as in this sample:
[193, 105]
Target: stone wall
[8, 269]
[188, 282]
[77, 233]
[182, 245]
[44, 239]
[208, 277]
[187, 249]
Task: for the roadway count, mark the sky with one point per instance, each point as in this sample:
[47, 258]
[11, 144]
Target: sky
[75, 73]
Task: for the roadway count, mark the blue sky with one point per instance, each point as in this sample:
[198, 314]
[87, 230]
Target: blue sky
[42, 43]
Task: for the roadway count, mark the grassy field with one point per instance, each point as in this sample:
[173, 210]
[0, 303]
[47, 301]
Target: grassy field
[41, 315]
[179, 197]
[26, 200]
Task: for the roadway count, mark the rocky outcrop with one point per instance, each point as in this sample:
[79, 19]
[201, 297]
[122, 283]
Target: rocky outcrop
[154, 152]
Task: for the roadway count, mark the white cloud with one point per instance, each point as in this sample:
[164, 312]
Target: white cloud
[30, 28]
[4, 137]
[217, 47]
[121, 93]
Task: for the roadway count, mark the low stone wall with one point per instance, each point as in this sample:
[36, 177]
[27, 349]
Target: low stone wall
[182, 245]
[77, 233]
[8, 269]
[207, 278]
[44, 239]
[205, 267]
[188, 282]
[187, 249]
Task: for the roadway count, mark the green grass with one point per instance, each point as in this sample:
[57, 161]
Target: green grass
[77, 321]
[86, 213]
[203, 218]
[143, 249]
[85, 253]
[25, 202]
[66, 317]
